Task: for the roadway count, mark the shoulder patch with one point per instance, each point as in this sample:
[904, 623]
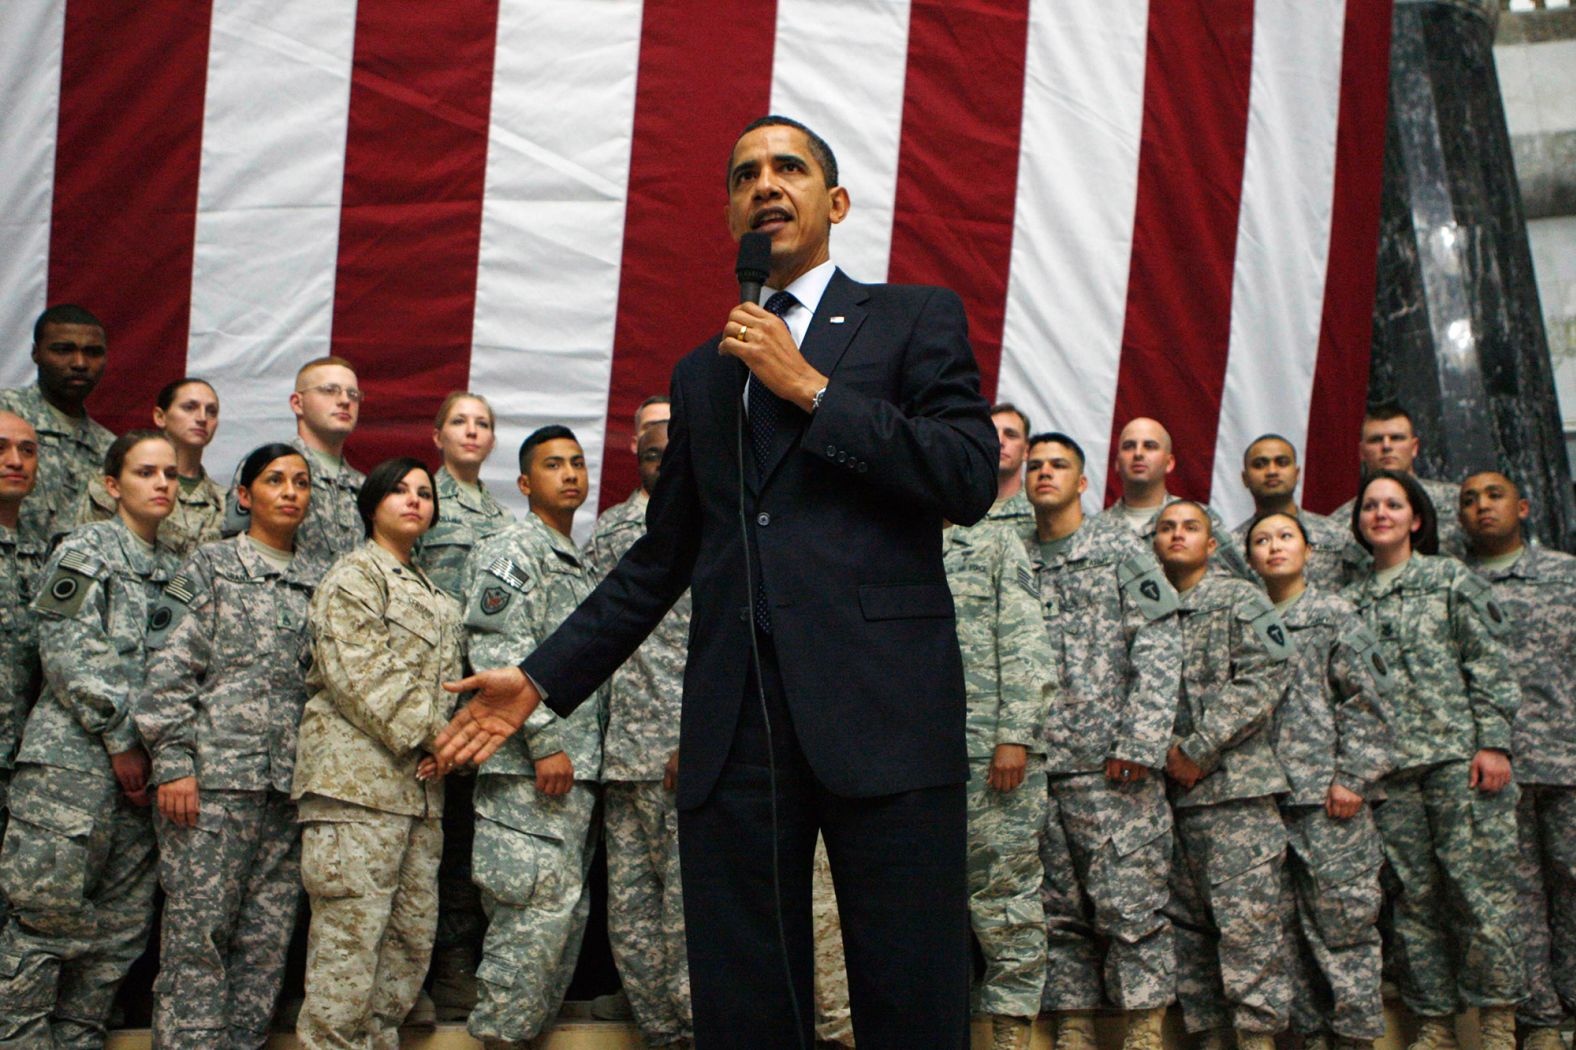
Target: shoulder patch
[1365, 644]
[68, 585]
[1480, 595]
[169, 610]
[507, 571]
[1147, 586]
[1271, 630]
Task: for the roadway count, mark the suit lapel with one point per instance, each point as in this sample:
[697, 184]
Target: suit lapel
[824, 344]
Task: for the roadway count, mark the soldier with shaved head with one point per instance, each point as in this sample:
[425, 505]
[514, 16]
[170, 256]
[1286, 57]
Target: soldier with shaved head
[1223, 778]
[1536, 588]
[1144, 460]
[1270, 473]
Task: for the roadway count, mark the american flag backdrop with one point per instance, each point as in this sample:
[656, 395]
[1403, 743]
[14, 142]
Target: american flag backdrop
[1166, 208]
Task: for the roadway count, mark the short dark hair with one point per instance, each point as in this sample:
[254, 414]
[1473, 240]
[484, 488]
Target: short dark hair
[551, 432]
[1269, 437]
[1389, 408]
[263, 455]
[1001, 407]
[1426, 539]
[654, 399]
[1265, 515]
[381, 481]
[115, 455]
[1195, 504]
[166, 395]
[818, 148]
[1061, 439]
[64, 313]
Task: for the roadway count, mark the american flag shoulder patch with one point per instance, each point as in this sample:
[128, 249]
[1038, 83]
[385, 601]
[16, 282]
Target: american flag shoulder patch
[180, 589]
[507, 571]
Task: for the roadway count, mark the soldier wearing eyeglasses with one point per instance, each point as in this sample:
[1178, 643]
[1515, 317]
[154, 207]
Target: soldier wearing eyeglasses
[327, 403]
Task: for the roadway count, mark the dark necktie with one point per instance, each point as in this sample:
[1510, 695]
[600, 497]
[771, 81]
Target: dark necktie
[766, 408]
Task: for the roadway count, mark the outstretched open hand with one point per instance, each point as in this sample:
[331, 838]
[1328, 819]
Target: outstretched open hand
[504, 699]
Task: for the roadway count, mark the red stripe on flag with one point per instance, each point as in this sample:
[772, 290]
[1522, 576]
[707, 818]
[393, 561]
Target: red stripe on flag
[1191, 152]
[1340, 376]
[410, 219]
[128, 148]
[958, 159]
[705, 72]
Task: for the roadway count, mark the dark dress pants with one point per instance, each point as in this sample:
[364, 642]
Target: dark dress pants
[898, 864]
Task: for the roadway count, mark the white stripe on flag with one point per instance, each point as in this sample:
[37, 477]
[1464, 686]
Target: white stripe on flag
[30, 51]
[552, 234]
[1073, 226]
[266, 242]
[1283, 236]
[839, 67]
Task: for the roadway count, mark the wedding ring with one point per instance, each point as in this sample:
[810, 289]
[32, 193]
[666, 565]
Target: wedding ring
[744, 330]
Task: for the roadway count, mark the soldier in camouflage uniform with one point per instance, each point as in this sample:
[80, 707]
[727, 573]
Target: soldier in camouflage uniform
[464, 434]
[1230, 842]
[326, 402]
[384, 640]
[536, 798]
[1449, 820]
[1332, 743]
[1012, 503]
[78, 860]
[229, 650]
[1536, 588]
[23, 551]
[187, 410]
[69, 350]
[1116, 665]
[645, 896]
[1006, 669]
[1390, 442]
[1143, 461]
[1269, 473]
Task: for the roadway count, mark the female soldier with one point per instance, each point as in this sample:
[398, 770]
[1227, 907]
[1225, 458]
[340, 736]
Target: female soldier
[464, 434]
[1449, 821]
[384, 639]
[78, 859]
[226, 683]
[187, 411]
[1332, 743]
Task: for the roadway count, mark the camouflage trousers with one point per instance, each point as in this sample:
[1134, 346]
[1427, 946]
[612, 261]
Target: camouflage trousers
[531, 859]
[461, 920]
[372, 878]
[1546, 877]
[79, 868]
[1004, 879]
[834, 1020]
[645, 904]
[5, 809]
[232, 887]
[1106, 857]
[1330, 900]
[1452, 855]
[1226, 907]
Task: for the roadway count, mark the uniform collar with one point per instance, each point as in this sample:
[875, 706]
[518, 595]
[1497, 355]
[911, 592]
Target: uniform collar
[560, 543]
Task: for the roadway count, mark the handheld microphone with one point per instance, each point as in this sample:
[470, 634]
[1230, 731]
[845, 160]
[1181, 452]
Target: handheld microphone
[755, 257]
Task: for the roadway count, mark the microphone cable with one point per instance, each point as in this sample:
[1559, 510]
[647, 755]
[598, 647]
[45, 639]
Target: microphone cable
[766, 718]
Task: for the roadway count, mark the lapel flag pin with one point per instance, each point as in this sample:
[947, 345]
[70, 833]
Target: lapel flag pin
[835, 320]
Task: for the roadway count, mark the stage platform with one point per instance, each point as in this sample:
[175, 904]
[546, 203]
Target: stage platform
[604, 1035]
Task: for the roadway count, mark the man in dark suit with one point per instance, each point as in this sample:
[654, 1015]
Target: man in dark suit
[830, 668]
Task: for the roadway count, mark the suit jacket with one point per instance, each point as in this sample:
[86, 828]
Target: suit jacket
[844, 523]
